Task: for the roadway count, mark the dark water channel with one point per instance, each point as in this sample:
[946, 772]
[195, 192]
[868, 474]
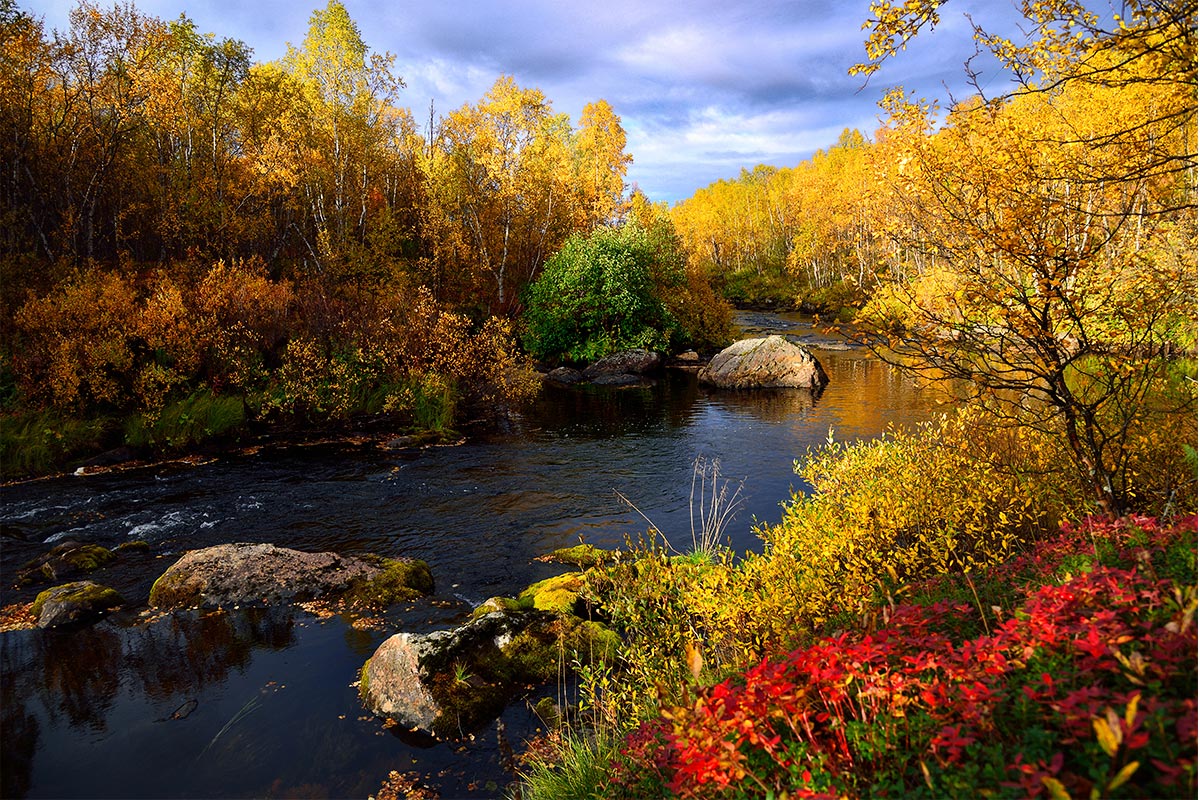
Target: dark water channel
[87, 713]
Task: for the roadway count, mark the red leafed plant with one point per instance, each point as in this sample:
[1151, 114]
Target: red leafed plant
[1088, 688]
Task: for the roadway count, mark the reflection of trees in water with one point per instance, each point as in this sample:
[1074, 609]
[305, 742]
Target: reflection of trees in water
[663, 402]
[186, 651]
[19, 729]
[80, 674]
[77, 674]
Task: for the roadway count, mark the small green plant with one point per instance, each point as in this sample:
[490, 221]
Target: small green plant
[462, 674]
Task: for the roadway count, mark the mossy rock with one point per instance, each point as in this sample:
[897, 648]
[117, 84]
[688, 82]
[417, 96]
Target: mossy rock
[400, 580]
[264, 574]
[74, 603]
[499, 604]
[549, 712]
[582, 556]
[136, 546]
[63, 561]
[559, 594]
[449, 682]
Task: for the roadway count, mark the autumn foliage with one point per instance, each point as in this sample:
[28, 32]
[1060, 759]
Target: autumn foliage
[180, 222]
[1084, 684]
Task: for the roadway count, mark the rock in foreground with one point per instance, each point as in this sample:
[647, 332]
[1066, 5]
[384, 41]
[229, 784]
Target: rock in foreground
[771, 362]
[263, 574]
[448, 682]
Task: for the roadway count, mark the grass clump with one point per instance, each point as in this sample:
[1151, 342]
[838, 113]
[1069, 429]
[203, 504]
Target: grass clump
[38, 442]
[398, 580]
[197, 418]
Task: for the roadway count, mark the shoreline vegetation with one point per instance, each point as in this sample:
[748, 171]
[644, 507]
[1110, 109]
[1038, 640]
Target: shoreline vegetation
[197, 247]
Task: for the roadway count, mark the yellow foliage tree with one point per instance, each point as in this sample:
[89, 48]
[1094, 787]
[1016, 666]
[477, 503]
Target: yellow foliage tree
[1058, 227]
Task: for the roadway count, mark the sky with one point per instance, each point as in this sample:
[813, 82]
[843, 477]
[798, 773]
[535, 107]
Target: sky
[704, 88]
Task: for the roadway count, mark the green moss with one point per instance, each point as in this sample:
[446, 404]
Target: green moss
[63, 561]
[594, 643]
[176, 590]
[137, 546]
[88, 557]
[400, 580]
[533, 655]
[498, 604]
[364, 681]
[85, 594]
[549, 712]
[559, 594]
[581, 555]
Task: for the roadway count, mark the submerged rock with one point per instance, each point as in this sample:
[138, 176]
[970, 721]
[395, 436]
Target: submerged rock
[254, 574]
[447, 683]
[771, 362]
[74, 603]
[564, 375]
[622, 379]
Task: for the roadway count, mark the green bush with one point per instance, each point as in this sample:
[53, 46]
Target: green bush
[597, 296]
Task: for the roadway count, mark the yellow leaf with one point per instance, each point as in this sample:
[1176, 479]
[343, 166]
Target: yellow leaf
[1055, 788]
[1131, 710]
[1109, 740]
[1123, 776]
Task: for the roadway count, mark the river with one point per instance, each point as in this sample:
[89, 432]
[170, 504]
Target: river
[266, 699]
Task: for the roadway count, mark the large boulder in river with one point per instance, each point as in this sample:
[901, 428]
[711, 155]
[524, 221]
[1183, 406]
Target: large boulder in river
[771, 362]
[74, 603]
[449, 682]
[263, 574]
[628, 362]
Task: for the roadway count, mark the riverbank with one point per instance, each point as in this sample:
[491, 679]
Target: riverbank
[1041, 673]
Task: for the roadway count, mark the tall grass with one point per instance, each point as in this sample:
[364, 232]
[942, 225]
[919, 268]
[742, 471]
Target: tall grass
[35, 443]
[714, 507]
[195, 419]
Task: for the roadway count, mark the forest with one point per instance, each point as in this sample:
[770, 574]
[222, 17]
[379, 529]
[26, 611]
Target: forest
[1000, 601]
[194, 241]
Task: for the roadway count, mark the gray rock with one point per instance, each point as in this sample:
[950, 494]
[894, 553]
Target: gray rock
[438, 682]
[254, 574]
[766, 363]
[74, 603]
[629, 362]
[447, 683]
[564, 375]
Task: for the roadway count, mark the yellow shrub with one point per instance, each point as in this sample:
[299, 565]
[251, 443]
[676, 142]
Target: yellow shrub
[955, 495]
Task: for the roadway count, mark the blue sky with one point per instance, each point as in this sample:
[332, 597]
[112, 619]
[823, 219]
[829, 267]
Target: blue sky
[704, 88]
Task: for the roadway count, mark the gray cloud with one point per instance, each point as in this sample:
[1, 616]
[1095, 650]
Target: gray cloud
[705, 88]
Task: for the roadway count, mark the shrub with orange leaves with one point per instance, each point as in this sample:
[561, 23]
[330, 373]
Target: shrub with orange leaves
[73, 350]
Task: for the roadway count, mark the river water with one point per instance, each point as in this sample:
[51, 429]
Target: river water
[266, 698]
